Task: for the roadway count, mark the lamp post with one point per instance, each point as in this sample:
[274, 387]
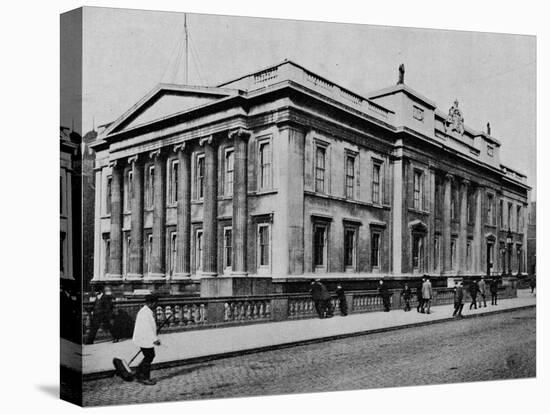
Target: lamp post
[509, 244]
[503, 259]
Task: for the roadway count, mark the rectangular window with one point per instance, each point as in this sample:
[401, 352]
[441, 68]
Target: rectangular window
[453, 253]
[229, 166]
[150, 187]
[510, 207]
[106, 253]
[469, 206]
[469, 255]
[148, 253]
[173, 180]
[109, 195]
[490, 150]
[490, 209]
[61, 198]
[263, 245]
[227, 247]
[350, 176]
[418, 113]
[454, 203]
[375, 249]
[319, 245]
[501, 213]
[200, 177]
[128, 190]
[349, 247]
[320, 166]
[126, 255]
[417, 184]
[198, 250]
[519, 221]
[436, 253]
[265, 165]
[418, 252]
[376, 183]
[173, 252]
[62, 252]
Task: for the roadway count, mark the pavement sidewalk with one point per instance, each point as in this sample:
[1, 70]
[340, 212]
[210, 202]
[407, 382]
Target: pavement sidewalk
[192, 346]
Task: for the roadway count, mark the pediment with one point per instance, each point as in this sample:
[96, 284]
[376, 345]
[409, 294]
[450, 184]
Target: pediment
[165, 101]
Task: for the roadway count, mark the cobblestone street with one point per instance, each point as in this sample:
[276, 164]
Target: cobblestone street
[492, 347]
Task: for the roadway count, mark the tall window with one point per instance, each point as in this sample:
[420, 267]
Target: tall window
[173, 190]
[501, 213]
[349, 247]
[263, 245]
[418, 252]
[109, 195]
[128, 190]
[61, 198]
[173, 252]
[62, 252]
[490, 209]
[148, 253]
[229, 166]
[198, 250]
[126, 255]
[453, 253]
[265, 165]
[319, 245]
[469, 255]
[469, 206]
[106, 253]
[376, 183]
[510, 207]
[320, 166]
[227, 247]
[150, 187]
[375, 249]
[350, 175]
[417, 184]
[519, 221]
[200, 177]
[454, 203]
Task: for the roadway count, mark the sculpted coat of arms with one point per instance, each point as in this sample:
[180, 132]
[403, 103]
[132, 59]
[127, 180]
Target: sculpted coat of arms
[455, 120]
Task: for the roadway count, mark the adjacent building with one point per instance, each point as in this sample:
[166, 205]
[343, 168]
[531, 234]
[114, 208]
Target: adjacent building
[283, 175]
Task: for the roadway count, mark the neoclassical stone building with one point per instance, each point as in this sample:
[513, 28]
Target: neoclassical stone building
[282, 175]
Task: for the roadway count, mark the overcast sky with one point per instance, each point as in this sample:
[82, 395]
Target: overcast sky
[127, 52]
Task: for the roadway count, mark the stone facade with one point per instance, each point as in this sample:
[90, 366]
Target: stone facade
[282, 175]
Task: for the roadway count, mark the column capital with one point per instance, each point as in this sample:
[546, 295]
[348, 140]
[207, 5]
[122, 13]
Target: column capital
[153, 155]
[115, 163]
[449, 177]
[239, 133]
[134, 159]
[206, 140]
[465, 182]
[179, 147]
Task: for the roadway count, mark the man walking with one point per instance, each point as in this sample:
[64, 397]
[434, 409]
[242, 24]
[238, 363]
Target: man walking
[458, 297]
[321, 299]
[481, 287]
[493, 287]
[473, 294]
[145, 336]
[427, 294]
[406, 295]
[102, 313]
[385, 294]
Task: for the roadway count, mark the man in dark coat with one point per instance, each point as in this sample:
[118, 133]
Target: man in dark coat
[473, 293]
[493, 287]
[406, 295]
[419, 297]
[342, 300]
[533, 283]
[321, 299]
[385, 294]
[102, 313]
[458, 298]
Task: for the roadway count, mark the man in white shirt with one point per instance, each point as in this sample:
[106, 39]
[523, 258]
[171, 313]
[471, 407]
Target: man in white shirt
[145, 336]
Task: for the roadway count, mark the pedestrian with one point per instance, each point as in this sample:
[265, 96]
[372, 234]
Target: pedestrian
[406, 295]
[473, 293]
[419, 307]
[385, 294]
[458, 298]
[533, 283]
[341, 294]
[427, 294]
[145, 336]
[481, 287]
[102, 313]
[493, 287]
[321, 299]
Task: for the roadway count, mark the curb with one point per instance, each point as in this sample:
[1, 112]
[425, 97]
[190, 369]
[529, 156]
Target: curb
[213, 357]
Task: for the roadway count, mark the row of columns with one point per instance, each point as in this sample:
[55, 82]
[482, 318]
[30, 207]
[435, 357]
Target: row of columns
[183, 225]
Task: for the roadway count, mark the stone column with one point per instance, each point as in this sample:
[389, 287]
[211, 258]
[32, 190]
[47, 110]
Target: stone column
[136, 235]
[158, 258]
[446, 223]
[183, 264]
[463, 233]
[478, 244]
[240, 202]
[210, 207]
[115, 268]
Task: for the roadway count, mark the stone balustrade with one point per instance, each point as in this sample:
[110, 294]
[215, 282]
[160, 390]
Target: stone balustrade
[187, 313]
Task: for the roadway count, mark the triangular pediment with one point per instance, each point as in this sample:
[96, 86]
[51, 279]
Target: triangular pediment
[165, 101]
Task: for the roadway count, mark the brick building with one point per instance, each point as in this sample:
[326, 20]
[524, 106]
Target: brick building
[282, 175]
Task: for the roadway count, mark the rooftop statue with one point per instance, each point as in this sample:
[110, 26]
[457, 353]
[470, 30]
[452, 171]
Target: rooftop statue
[401, 79]
[455, 120]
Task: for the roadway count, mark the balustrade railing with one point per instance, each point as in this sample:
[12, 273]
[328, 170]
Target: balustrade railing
[195, 313]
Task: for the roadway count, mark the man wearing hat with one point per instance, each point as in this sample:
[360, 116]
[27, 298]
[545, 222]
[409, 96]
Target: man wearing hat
[145, 336]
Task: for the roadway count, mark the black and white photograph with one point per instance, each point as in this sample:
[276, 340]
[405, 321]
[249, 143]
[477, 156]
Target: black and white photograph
[254, 206]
